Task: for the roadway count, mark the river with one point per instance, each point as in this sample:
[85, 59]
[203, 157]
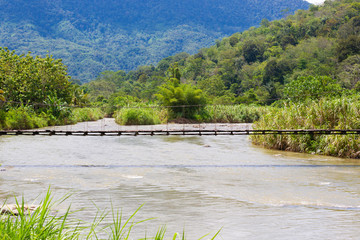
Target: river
[196, 183]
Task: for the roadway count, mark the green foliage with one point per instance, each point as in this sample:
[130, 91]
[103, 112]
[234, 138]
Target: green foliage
[349, 72]
[348, 47]
[235, 113]
[27, 79]
[2, 98]
[337, 113]
[91, 36]
[23, 118]
[175, 96]
[248, 97]
[87, 114]
[38, 225]
[311, 87]
[37, 92]
[254, 66]
[253, 51]
[56, 108]
[138, 116]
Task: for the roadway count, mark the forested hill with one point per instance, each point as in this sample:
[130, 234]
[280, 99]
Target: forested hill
[96, 35]
[312, 53]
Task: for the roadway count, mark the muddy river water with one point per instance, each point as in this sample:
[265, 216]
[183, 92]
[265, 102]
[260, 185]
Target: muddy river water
[196, 183]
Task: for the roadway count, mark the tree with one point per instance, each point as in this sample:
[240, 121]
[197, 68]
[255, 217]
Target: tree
[253, 51]
[349, 72]
[347, 47]
[233, 40]
[248, 97]
[182, 100]
[174, 72]
[213, 86]
[28, 79]
[311, 87]
[275, 71]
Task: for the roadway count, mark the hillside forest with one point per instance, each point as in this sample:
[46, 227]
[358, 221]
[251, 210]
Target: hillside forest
[94, 36]
[305, 55]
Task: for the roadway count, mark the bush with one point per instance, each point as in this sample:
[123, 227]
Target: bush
[24, 118]
[176, 96]
[139, 116]
[87, 114]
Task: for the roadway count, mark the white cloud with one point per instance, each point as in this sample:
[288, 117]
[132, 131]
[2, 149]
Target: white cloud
[316, 1]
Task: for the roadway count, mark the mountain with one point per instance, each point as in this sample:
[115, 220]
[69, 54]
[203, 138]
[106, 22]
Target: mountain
[310, 54]
[96, 35]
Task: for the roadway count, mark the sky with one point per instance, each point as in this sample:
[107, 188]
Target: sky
[316, 1]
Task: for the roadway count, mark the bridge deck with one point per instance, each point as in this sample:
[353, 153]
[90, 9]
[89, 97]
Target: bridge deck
[181, 132]
[108, 127]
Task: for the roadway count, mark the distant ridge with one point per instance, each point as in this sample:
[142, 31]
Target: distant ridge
[96, 35]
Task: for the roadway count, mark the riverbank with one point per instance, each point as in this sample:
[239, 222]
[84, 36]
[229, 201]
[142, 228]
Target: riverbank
[341, 113]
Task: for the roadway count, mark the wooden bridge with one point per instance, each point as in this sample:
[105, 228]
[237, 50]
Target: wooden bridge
[108, 127]
[198, 132]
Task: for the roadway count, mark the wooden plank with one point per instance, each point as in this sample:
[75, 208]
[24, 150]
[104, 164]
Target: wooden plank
[184, 132]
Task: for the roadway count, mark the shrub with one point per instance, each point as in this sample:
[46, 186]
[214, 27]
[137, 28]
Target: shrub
[138, 116]
[23, 118]
[87, 114]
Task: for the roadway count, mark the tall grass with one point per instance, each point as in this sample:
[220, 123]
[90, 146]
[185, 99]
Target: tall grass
[87, 114]
[38, 225]
[25, 117]
[341, 113]
[42, 224]
[234, 113]
[210, 114]
[140, 116]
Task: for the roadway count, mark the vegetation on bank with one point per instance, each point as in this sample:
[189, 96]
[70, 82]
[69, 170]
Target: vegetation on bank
[326, 113]
[25, 117]
[37, 92]
[43, 224]
[149, 115]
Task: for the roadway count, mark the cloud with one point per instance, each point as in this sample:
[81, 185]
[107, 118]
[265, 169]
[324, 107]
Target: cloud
[316, 1]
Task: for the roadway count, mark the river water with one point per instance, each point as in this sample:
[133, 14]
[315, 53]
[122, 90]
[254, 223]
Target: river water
[196, 183]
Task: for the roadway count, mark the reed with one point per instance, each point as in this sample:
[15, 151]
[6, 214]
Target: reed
[241, 113]
[42, 224]
[144, 115]
[339, 113]
[87, 114]
[38, 225]
[140, 116]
